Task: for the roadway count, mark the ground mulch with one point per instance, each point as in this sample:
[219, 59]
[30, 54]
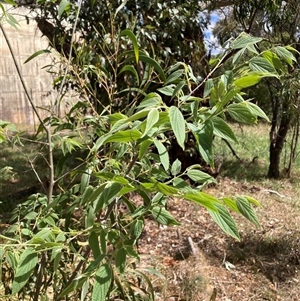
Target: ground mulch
[199, 262]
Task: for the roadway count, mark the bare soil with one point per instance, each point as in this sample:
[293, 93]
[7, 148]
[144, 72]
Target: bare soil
[263, 265]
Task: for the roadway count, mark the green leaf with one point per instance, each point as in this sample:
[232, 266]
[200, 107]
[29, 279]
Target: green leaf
[73, 286]
[178, 125]
[139, 115]
[144, 147]
[163, 154]
[96, 193]
[257, 111]
[181, 184]
[69, 144]
[208, 86]
[238, 56]
[146, 76]
[253, 49]
[152, 118]
[103, 241]
[223, 130]
[11, 2]
[124, 136]
[204, 138]
[173, 77]
[114, 118]
[25, 231]
[63, 6]
[84, 290]
[85, 180]
[87, 194]
[94, 244]
[12, 259]
[241, 113]
[166, 189]
[230, 203]
[162, 216]
[247, 81]
[155, 65]
[10, 19]
[138, 228]
[28, 261]
[160, 187]
[31, 215]
[252, 200]
[261, 64]
[55, 257]
[133, 39]
[244, 40]
[178, 88]
[151, 100]
[132, 70]
[45, 234]
[227, 78]
[121, 260]
[167, 90]
[37, 54]
[273, 59]
[102, 283]
[246, 209]
[202, 199]
[176, 167]
[200, 176]
[109, 193]
[286, 55]
[224, 220]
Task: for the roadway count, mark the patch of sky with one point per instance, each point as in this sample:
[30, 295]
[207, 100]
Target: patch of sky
[211, 42]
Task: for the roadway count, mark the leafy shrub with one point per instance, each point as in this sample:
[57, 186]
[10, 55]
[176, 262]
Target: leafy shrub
[78, 241]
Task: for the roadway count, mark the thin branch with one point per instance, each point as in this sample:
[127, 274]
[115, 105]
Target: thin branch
[40, 278]
[232, 150]
[210, 74]
[48, 129]
[77, 269]
[69, 57]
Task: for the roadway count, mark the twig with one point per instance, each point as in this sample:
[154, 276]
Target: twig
[209, 75]
[48, 128]
[214, 295]
[79, 266]
[39, 278]
[36, 174]
[275, 192]
[192, 245]
[112, 204]
[69, 56]
[232, 150]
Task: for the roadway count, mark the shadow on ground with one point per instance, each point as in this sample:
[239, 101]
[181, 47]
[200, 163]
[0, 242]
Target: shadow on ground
[244, 169]
[277, 259]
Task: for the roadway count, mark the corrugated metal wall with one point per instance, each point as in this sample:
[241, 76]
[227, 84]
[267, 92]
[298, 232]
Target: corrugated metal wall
[26, 40]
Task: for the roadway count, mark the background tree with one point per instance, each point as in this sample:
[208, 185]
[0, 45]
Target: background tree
[277, 22]
[173, 30]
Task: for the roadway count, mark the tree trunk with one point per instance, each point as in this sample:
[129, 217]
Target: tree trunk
[277, 139]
